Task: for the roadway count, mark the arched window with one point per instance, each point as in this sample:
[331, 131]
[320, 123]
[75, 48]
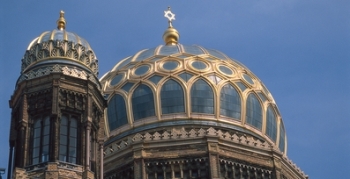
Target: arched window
[230, 102]
[68, 139]
[116, 112]
[253, 111]
[202, 98]
[172, 97]
[271, 123]
[282, 138]
[142, 102]
[41, 140]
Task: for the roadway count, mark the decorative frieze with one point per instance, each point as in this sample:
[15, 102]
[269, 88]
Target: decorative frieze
[69, 71]
[71, 99]
[40, 100]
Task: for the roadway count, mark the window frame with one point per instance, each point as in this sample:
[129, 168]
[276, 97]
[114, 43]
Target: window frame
[41, 139]
[68, 145]
[252, 113]
[164, 97]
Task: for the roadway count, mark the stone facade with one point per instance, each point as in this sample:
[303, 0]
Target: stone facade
[195, 153]
[56, 94]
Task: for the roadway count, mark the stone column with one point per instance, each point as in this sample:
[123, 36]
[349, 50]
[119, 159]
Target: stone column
[9, 167]
[88, 130]
[21, 149]
[54, 138]
[101, 159]
[277, 167]
[139, 166]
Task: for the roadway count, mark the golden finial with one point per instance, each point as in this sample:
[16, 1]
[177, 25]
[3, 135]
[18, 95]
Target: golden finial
[171, 35]
[61, 22]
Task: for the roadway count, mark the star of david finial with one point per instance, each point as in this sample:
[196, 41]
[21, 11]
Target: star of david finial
[170, 16]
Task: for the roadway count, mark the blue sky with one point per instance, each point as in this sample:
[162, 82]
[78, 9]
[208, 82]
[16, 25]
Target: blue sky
[299, 49]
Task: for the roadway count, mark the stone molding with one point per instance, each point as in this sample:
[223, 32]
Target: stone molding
[176, 134]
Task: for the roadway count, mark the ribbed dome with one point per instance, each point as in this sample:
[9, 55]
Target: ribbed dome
[60, 35]
[178, 85]
[59, 51]
[58, 45]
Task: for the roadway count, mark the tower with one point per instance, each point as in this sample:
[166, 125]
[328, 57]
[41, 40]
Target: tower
[57, 124]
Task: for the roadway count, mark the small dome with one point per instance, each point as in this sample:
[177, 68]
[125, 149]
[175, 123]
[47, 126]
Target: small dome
[59, 47]
[172, 85]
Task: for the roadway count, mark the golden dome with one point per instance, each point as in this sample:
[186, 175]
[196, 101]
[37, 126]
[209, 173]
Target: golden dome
[205, 87]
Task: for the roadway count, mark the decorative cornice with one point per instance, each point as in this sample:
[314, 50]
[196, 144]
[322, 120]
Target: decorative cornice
[183, 134]
[287, 161]
[74, 72]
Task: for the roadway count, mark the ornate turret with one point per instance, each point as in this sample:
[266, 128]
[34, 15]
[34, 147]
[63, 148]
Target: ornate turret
[57, 109]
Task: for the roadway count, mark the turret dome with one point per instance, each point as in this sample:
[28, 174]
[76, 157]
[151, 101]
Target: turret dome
[57, 50]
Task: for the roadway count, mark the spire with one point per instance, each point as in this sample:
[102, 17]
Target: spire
[171, 35]
[61, 22]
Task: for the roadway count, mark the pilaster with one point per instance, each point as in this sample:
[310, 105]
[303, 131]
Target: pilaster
[139, 169]
[213, 149]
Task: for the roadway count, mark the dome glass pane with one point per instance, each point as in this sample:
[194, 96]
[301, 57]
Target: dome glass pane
[155, 79]
[117, 79]
[145, 54]
[170, 65]
[199, 65]
[216, 54]
[241, 86]
[58, 35]
[116, 112]
[271, 124]
[195, 50]
[127, 86]
[168, 50]
[230, 102]
[142, 102]
[202, 97]
[185, 76]
[282, 138]
[262, 97]
[172, 97]
[46, 37]
[225, 70]
[156, 59]
[125, 62]
[215, 79]
[142, 70]
[248, 79]
[253, 112]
